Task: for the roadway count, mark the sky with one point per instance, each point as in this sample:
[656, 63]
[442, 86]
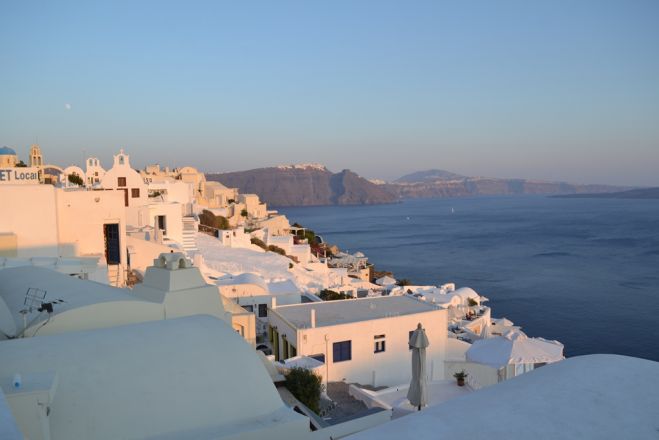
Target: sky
[552, 90]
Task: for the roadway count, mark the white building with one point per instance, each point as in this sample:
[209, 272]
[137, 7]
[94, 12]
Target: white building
[252, 205]
[234, 238]
[216, 195]
[360, 340]
[121, 177]
[254, 294]
[165, 216]
[301, 252]
[44, 221]
[71, 170]
[94, 172]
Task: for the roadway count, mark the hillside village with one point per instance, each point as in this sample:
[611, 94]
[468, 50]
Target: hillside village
[124, 290]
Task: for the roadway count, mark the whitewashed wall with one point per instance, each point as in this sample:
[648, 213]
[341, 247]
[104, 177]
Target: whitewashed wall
[391, 367]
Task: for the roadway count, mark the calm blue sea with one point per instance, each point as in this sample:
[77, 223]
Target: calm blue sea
[583, 271]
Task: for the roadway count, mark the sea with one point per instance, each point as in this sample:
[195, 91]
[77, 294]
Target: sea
[582, 271]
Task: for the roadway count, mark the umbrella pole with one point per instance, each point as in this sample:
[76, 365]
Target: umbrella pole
[419, 407]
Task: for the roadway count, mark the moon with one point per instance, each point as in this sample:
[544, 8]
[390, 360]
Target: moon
[67, 106]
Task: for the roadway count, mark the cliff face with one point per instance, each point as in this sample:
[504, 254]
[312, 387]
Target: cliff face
[306, 186]
[314, 185]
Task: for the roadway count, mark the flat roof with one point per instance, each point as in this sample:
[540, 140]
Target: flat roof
[352, 310]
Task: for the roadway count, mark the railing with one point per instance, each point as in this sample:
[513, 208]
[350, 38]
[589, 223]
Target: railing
[213, 232]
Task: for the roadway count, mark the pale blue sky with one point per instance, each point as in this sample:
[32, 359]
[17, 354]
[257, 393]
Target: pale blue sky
[557, 90]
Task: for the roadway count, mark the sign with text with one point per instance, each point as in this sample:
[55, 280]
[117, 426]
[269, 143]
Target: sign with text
[19, 176]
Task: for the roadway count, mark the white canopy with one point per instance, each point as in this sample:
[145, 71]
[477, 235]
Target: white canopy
[303, 362]
[465, 293]
[514, 348]
[447, 300]
[502, 322]
[385, 281]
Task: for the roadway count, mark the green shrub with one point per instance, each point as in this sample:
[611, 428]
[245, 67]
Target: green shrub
[404, 282]
[207, 218]
[258, 242]
[310, 236]
[306, 386]
[330, 295]
[276, 249]
[243, 213]
[75, 179]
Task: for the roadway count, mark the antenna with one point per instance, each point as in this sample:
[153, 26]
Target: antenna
[34, 297]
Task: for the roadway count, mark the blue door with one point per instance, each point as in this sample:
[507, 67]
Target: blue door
[112, 253]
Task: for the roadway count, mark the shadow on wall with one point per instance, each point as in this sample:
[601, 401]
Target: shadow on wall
[14, 250]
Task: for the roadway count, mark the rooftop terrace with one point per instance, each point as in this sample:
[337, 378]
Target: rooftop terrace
[352, 310]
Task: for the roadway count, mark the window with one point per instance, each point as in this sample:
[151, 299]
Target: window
[342, 351]
[379, 344]
[135, 193]
[263, 310]
[121, 181]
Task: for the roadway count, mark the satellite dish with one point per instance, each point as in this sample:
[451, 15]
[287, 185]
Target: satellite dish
[7, 323]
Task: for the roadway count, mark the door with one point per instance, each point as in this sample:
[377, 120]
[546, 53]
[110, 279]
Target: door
[162, 224]
[125, 190]
[111, 234]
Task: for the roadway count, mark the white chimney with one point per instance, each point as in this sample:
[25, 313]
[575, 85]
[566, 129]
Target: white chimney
[313, 318]
[274, 303]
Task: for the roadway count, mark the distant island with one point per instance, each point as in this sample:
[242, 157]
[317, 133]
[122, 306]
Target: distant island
[642, 193]
[440, 183]
[315, 185]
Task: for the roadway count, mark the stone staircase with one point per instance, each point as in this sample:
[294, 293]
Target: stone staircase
[190, 226]
[115, 275]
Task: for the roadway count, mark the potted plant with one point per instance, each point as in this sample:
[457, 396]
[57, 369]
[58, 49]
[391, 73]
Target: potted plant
[460, 376]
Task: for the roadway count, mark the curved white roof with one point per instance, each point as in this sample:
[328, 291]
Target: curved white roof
[586, 397]
[191, 377]
[385, 281]
[73, 293]
[466, 292]
[514, 348]
[243, 278]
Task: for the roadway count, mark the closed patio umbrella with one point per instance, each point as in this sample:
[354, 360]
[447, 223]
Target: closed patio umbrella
[418, 391]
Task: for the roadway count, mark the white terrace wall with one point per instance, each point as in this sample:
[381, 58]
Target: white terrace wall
[30, 212]
[81, 216]
[52, 222]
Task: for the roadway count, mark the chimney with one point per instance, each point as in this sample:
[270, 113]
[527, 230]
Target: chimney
[313, 318]
[274, 303]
